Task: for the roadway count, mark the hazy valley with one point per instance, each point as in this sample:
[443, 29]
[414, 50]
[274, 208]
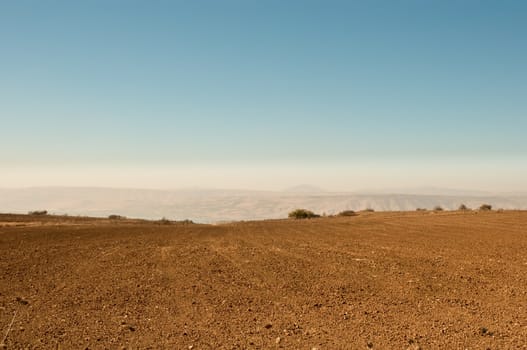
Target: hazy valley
[203, 205]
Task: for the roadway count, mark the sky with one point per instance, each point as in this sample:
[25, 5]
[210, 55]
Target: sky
[344, 95]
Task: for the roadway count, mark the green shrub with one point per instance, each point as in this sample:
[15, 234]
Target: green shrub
[302, 214]
[116, 217]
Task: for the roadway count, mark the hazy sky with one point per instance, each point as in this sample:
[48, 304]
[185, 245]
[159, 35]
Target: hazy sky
[264, 94]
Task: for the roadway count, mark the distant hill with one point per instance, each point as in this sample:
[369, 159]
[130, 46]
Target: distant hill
[202, 205]
[304, 189]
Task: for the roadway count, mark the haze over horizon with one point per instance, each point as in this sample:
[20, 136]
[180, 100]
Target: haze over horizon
[208, 206]
[341, 95]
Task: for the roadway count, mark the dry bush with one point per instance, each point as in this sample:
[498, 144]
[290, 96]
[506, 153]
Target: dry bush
[164, 221]
[302, 214]
[347, 213]
[463, 207]
[485, 207]
[438, 208]
[38, 212]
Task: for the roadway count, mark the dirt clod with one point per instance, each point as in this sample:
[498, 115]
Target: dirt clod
[22, 301]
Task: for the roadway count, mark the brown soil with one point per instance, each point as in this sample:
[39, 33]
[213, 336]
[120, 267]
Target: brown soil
[378, 280]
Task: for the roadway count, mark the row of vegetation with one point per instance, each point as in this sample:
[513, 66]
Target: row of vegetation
[462, 207]
[308, 214]
[38, 213]
[162, 221]
[295, 214]
[115, 217]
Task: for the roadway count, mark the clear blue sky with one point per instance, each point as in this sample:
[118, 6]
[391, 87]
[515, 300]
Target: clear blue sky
[238, 84]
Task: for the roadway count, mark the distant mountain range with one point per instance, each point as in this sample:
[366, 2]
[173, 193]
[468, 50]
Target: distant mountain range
[203, 205]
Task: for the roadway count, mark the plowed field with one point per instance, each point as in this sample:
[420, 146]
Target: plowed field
[378, 280]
